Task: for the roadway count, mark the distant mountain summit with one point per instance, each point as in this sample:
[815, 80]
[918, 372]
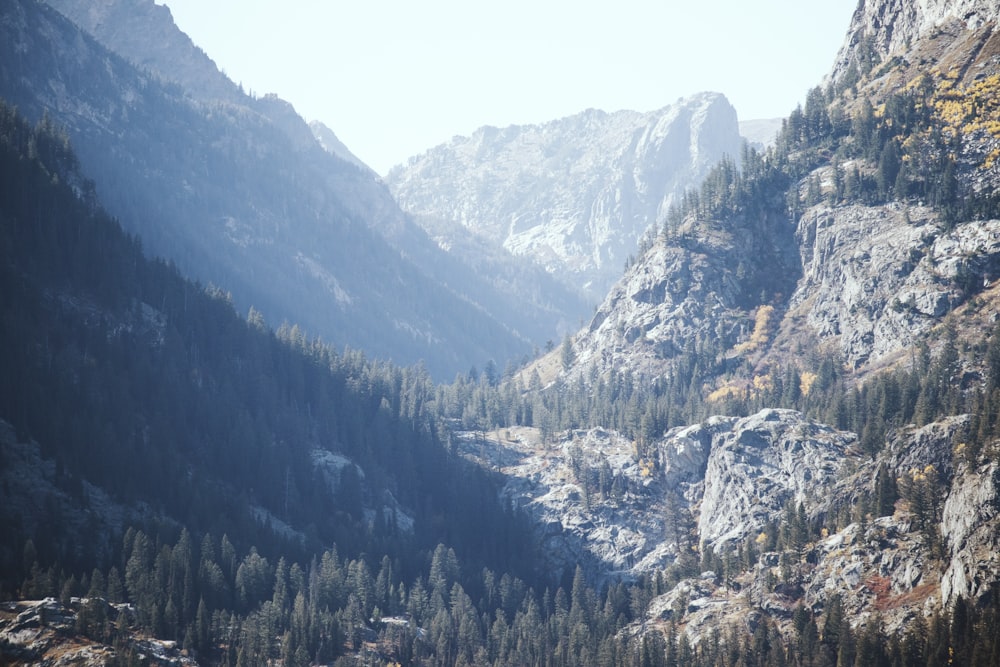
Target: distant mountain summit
[575, 195]
[333, 145]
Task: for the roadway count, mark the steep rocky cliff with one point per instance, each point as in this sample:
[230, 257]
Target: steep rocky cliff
[877, 279]
[874, 259]
[697, 286]
[596, 503]
[837, 256]
[880, 29]
[576, 194]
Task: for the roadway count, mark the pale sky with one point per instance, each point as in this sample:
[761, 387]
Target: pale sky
[393, 78]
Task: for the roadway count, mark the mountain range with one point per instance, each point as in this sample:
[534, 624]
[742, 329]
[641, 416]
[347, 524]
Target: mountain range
[198, 175]
[775, 441]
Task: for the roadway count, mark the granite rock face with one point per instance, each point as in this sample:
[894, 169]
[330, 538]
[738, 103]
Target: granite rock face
[758, 465]
[591, 501]
[676, 294]
[872, 281]
[701, 282]
[892, 27]
[970, 522]
[889, 567]
[720, 483]
[575, 195]
[878, 278]
[595, 502]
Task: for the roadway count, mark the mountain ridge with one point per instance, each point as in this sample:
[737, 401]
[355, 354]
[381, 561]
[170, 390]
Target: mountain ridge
[145, 33]
[575, 195]
[239, 193]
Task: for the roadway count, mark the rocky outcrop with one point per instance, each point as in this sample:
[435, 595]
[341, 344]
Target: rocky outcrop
[696, 285]
[741, 473]
[882, 567]
[761, 463]
[575, 194]
[595, 503]
[678, 293]
[48, 632]
[878, 278]
[891, 567]
[591, 501]
[970, 523]
[683, 453]
[380, 506]
[888, 28]
[910, 448]
[874, 570]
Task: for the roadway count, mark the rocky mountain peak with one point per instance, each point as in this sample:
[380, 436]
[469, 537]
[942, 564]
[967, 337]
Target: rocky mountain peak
[576, 194]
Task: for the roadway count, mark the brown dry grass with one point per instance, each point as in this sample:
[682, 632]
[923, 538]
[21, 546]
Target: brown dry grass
[911, 598]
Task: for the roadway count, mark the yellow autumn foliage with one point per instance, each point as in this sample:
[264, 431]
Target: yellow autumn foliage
[806, 381]
[723, 392]
[763, 323]
[971, 109]
[763, 383]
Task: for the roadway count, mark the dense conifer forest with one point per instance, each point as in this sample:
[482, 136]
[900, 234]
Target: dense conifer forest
[167, 398]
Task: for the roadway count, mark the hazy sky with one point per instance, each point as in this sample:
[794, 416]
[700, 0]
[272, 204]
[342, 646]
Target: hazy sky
[393, 78]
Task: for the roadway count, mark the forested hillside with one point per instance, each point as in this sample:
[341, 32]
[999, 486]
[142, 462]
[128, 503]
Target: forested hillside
[174, 414]
[776, 443]
[234, 189]
[223, 534]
